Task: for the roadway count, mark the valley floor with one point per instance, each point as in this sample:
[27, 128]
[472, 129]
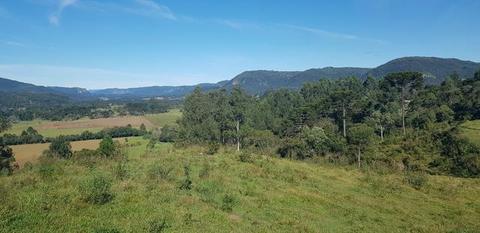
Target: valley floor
[262, 195]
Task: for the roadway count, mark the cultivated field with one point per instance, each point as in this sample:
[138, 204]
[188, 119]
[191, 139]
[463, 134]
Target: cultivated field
[56, 128]
[31, 152]
[264, 194]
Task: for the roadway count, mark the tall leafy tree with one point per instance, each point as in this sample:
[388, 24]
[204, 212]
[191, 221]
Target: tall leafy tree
[107, 147]
[361, 136]
[344, 97]
[239, 101]
[61, 148]
[4, 123]
[6, 154]
[407, 84]
[198, 123]
[223, 114]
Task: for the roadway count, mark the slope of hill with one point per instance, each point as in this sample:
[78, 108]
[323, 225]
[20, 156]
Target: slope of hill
[261, 81]
[12, 86]
[436, 69]
[167, 91]
[143, 194]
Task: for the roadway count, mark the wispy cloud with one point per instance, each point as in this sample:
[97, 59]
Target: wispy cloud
[153, 8]
[330, 34]
[13, 43]
[238, 25]
[54, 18]
[146, 8]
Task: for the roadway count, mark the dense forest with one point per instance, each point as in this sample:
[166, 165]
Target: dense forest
[395, 123]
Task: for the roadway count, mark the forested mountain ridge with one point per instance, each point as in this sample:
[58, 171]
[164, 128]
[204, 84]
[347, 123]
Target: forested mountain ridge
[436, 69]
[259, 82]
[7, 85]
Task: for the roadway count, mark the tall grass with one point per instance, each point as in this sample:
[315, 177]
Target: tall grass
[264, 194]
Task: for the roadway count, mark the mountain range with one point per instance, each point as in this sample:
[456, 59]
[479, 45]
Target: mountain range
[260, 81]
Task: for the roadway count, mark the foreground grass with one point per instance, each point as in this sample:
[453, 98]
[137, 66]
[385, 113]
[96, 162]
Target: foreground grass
[264, 195]
[471, 130]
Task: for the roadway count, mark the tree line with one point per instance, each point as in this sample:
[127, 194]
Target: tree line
[30, 135]
[17, 107]
[396, 122]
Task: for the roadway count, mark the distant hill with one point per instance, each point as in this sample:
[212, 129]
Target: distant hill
[166, 91]
[12, 86]
[436, 69]
[260, 81]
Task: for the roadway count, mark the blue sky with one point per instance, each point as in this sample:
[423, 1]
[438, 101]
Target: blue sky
[128, 43]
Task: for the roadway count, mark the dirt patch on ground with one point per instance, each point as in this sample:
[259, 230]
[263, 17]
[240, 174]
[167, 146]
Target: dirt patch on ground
[31, 152]
[135, 121]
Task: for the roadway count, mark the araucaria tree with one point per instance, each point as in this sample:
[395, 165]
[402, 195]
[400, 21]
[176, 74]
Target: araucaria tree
[406, 84]
[360, 136]
[339, 119]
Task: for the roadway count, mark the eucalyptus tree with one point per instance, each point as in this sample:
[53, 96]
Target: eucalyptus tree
[239, 101]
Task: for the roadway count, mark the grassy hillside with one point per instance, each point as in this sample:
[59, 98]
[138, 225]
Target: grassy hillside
[471, 130]
[169, 118]
[262, 194]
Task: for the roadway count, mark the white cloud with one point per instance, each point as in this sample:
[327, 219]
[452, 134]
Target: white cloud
[151, 7]
[12, 43]
[335, 35]
[54, 18]
[237, 24]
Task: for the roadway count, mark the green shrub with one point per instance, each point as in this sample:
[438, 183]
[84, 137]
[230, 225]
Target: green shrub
[246, 157]
[204, 171]
[168, 133]
[47, 167]
[261, 139]
[6, 159]
[228, 203]
[86, 157]
[121, 170]
[107, 147]
[159, 172]
[96, 190]
[158, 226]
[416, 179]
[60, 148]
[186, 183]
[212, 148]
